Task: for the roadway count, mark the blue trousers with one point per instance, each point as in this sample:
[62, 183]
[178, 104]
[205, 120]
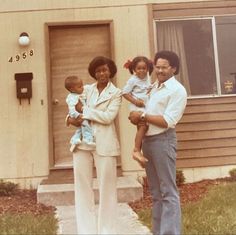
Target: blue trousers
[160, 150]
[83, 133]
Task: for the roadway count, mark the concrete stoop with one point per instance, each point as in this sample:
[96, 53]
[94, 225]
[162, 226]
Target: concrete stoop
[128, 189]
[127, 221]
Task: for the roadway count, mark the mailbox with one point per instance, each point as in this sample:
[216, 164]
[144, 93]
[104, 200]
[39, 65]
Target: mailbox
[24, 86]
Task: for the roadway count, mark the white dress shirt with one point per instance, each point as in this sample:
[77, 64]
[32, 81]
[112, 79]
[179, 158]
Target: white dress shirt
[168, 100]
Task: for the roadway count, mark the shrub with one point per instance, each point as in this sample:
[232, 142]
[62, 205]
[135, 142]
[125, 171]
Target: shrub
[232, 173]
[180, 179]
[7, 188]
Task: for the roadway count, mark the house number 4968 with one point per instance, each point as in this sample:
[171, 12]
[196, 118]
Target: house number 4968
[21, 56]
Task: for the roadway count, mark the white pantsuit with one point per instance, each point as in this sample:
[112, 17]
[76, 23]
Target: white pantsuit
[102, 110]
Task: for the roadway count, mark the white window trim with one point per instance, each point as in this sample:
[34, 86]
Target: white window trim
[217, 67]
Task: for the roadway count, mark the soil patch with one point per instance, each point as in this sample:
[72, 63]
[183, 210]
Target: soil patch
[25, 201]
[190, 192]
[22, 202]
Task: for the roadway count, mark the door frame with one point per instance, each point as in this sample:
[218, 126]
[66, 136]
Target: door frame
[47, 26]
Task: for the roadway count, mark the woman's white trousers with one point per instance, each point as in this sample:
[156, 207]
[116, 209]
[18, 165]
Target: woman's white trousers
[89, 220]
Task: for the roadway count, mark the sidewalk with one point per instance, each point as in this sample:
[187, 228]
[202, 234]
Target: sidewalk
[128, 222]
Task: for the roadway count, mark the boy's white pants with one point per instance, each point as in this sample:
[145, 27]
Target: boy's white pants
[88, 220]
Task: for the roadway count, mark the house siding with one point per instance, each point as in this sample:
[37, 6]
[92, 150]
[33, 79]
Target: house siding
[26, 137]
[191, 9]
[207, 133]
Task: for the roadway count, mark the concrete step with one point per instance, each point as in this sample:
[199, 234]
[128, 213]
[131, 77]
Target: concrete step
[65, 175]
[128, 189]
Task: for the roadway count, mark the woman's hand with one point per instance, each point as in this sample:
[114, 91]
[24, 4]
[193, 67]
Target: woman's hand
[79, 107]
[74, 121]
[134, 117]
[139, 103]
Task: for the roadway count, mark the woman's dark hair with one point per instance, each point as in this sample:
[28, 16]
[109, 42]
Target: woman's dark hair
[132, 65]
[171, 57]
[99, 61]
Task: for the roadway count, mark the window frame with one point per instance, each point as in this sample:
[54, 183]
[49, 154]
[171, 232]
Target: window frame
[189, 11]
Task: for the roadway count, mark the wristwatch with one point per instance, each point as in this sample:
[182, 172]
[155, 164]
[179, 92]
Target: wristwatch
[142, 117]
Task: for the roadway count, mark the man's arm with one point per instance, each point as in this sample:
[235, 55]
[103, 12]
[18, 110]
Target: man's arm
[158, 120]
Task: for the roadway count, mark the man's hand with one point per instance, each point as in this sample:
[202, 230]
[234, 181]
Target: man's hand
[134, 117]
[74, 121]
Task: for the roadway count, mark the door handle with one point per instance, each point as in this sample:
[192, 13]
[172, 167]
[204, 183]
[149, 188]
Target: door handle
[55, 102]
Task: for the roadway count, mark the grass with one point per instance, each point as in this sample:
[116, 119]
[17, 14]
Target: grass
[214, 214]
[28, 224]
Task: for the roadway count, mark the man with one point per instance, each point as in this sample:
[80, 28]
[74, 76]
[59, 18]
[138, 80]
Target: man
[164, 109]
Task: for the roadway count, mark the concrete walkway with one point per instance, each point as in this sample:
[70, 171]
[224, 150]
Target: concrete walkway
[128, 222]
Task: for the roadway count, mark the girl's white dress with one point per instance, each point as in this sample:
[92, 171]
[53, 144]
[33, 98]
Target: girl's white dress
[138, 88]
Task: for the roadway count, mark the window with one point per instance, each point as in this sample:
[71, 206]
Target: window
[206, 50]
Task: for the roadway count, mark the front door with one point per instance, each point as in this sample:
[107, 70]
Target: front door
[71, 49]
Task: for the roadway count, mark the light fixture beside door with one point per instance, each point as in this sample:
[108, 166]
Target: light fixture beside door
[24, 39]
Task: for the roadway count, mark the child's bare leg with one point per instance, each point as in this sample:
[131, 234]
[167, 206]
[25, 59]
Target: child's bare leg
[137, 155]
[141, 130]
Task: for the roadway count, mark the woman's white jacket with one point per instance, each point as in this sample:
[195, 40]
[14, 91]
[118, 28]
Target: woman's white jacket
[102, 112]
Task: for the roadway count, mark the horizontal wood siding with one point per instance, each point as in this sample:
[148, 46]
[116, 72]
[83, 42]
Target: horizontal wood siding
[207, 133]
[191, 9]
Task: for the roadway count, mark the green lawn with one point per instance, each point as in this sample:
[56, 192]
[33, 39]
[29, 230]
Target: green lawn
[214, 214]
[28, 224]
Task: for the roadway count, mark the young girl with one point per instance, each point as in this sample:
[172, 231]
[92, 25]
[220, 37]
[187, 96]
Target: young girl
[136, 91]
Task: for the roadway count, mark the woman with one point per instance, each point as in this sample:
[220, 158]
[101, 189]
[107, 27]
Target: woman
[103, 103]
